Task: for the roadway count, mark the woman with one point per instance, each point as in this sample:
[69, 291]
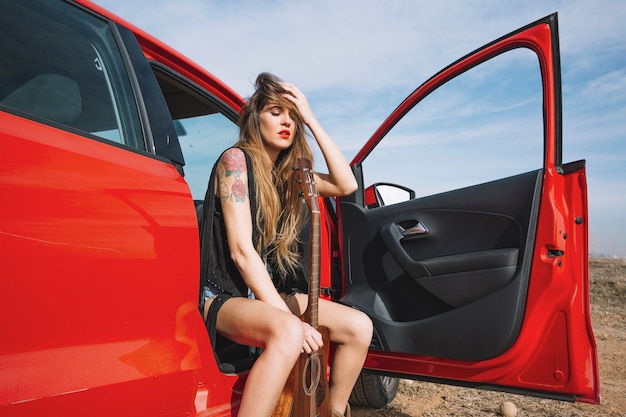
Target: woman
[260, 220]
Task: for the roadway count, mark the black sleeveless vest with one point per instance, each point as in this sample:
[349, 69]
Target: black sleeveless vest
[216, 265]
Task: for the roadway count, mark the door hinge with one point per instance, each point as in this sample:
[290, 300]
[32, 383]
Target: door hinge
[328, 291]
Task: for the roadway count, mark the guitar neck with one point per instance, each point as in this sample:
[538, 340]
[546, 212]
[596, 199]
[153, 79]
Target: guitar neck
[312, 397]
[311, 312]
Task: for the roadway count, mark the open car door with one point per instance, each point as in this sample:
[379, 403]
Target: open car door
[466, 242]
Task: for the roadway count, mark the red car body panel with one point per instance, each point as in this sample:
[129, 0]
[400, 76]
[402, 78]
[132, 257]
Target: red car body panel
[100, 267]
[67, 239]
[72, 337]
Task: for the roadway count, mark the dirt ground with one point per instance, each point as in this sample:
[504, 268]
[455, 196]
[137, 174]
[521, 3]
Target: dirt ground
[608, 315]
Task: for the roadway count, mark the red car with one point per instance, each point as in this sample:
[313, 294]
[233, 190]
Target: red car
[108, 139]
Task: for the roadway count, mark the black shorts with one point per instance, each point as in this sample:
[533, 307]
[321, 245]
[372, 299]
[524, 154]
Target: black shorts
[211, 317]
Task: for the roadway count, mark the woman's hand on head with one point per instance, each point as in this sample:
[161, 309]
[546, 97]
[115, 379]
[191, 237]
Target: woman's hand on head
[340, 180]
[299, 99]
[312, 339]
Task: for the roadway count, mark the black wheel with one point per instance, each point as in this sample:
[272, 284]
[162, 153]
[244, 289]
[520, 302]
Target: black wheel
[374, 391]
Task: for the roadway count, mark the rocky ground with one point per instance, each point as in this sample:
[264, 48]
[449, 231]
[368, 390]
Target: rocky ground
[608, 315]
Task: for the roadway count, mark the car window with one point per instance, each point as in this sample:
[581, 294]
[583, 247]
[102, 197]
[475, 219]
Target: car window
[205, 127]
[483, 125]
[62, 66]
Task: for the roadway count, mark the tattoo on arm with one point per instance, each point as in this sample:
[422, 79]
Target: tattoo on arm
[233, 164]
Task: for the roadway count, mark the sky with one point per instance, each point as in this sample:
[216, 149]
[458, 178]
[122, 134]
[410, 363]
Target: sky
[372, 54]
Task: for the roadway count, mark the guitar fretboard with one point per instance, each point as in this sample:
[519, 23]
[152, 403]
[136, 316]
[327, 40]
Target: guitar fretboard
[314, 279]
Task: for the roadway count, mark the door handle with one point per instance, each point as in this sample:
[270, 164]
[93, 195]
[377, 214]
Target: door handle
[417, 230]
[392, 234]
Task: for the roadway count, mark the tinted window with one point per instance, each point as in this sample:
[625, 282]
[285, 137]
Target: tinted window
[61, 66]
[483, 125]
[204, 126]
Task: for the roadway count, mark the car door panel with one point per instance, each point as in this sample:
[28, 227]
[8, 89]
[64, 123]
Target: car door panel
[98, 229]
[463, 270]
[485, 285]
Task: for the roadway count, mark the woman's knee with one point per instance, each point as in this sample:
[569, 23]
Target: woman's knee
[349, 326]
[362, 328]
[287, 333]
[357, 329]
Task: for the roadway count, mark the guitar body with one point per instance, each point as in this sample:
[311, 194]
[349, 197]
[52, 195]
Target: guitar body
[311, 397]
[306, 393]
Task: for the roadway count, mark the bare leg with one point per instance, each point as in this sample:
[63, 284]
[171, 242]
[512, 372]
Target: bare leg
[255, 323]
[351, 331]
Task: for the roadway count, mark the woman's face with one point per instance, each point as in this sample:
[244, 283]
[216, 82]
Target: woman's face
[277, 129]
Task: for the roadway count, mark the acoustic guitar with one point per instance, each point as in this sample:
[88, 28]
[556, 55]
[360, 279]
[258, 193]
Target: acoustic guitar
[306, 393]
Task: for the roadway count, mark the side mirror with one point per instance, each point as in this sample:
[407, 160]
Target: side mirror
[383, 193]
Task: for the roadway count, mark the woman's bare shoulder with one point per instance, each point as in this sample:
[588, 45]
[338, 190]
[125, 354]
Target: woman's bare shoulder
[233, 161]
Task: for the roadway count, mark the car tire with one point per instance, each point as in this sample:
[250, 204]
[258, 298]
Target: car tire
[375, 391]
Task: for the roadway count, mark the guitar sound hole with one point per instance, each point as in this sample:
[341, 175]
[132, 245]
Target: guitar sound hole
[311, 375]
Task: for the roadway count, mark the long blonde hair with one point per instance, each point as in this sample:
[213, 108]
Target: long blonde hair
[279, 216]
